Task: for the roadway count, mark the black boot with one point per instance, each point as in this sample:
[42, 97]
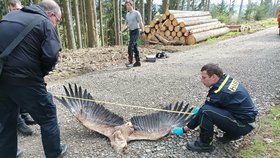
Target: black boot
[19, 152]
[27, 118]
[23, 128]
[64, 148]
[203, 144]
[227, 138]
[137, 63]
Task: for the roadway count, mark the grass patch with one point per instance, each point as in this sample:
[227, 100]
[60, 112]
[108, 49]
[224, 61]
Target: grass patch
[227, 35]
[265, 143]
[268, 22]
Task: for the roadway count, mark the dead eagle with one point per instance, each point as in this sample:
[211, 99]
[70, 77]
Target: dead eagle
[97, 118]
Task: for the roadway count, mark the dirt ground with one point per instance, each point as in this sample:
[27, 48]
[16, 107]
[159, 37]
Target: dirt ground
[80, 61]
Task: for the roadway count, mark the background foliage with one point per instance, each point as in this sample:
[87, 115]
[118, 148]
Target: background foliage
[262, 9]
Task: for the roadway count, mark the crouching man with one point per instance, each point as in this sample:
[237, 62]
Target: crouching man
[228, 105]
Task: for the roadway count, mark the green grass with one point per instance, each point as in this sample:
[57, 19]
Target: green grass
[269, 128]
[227, 35]
[268, 22]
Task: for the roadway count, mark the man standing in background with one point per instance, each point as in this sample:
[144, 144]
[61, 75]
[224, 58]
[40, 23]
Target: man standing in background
[133, 21]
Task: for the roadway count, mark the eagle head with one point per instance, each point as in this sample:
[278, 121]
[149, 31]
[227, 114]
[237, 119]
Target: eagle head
[119, 142]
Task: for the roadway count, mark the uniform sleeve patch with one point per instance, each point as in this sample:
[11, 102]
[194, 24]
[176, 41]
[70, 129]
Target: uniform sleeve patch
[233, 85]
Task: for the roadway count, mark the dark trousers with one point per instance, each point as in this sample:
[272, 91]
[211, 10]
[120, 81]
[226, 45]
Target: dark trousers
[39, 104]
[208, 116]
[133, 44]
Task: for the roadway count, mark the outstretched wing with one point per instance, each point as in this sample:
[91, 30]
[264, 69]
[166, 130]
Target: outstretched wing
[158, 125]
[92, 115]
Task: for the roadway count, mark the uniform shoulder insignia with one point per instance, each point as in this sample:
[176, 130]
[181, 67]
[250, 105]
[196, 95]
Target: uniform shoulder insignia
[233, 85]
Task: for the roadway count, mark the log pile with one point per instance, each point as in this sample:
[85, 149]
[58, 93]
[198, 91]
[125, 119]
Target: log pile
[183, 27]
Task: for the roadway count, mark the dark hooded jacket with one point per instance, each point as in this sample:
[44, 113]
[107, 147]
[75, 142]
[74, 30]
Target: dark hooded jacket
[36, 55]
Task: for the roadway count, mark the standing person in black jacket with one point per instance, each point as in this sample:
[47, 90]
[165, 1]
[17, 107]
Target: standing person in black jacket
[228, 105]
[22, 79]
[24, 117]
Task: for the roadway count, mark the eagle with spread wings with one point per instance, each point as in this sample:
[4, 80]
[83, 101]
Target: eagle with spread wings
[99, 119]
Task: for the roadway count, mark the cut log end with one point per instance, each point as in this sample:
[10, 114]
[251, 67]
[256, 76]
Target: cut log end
[190, 40]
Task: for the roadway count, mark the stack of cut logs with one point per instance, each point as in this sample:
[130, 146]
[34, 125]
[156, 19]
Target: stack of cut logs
[183, 27]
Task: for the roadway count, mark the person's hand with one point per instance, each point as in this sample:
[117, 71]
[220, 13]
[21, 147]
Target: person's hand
[195, 111]
[178, 131]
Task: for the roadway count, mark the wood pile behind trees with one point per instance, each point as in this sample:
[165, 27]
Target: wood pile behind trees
[177, 27]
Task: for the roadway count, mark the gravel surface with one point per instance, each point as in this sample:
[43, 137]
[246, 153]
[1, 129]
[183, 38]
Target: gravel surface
[252, 59]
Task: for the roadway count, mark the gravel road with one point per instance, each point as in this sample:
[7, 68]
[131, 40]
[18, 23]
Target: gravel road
[252, 59]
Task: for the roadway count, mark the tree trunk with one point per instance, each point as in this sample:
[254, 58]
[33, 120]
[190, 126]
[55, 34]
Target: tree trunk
[177, 5]
[69, 25]
[95, 37]
[84, 24]
[165, 6]
[188, 5]
[116, 21]
[142, 10]
[208, 5]
[101, 23]
[229, 6]
[90, 23]
[192, 5]
[202, 5]
[183, 4]
[198, 37]
[120, 22]
[240, 10]
[78, 24]
[231, 10]
[149, 10]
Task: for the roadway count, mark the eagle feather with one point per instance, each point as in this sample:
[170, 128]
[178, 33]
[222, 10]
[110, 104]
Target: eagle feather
[147, 127]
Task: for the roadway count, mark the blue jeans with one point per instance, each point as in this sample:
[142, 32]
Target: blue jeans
[133, 45]
[39, 104]
[208, 116]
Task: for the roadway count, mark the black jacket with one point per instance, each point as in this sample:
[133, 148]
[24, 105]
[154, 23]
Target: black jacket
[37, 54]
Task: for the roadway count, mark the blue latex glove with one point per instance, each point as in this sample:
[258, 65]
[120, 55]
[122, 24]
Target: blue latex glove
[195, 111]
[178, 131]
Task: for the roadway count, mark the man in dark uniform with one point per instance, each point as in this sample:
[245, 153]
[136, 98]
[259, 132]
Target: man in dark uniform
[22, 79]
[228, 106]
[24, 118]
